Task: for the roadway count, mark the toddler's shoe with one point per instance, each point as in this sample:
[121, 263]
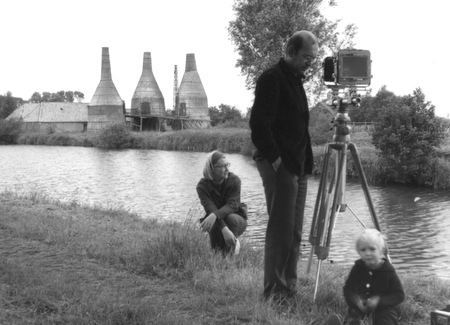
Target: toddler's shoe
[333, 320]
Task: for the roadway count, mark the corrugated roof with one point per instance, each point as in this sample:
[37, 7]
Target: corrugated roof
[51, 112]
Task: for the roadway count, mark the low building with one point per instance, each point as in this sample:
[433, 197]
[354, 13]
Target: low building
[52, 117]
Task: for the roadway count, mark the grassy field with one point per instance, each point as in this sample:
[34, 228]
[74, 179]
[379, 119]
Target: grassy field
[69, 264]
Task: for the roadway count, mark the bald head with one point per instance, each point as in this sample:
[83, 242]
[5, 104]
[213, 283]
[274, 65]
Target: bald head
[298, 40]
[301, 51]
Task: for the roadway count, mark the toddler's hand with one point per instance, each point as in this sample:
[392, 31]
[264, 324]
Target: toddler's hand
[361, 304]
[372, 302]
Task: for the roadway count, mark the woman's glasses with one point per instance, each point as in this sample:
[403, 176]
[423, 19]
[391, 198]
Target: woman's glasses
[227, 165]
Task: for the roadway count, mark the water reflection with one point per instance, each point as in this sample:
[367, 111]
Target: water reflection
[161, 184]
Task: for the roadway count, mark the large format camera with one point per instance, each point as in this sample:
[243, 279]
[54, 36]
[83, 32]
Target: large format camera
[346, 74]
[349, 68]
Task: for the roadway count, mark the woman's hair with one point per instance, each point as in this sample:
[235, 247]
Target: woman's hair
[371, 236]
[212, 159]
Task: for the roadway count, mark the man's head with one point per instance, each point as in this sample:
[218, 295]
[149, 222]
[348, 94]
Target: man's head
[301, 51]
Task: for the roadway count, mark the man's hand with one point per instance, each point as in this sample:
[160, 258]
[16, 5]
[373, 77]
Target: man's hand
[229, 237]
[208, 223]
[276, 164]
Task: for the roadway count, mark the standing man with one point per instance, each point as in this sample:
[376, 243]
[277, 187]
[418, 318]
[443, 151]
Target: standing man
[279, 124]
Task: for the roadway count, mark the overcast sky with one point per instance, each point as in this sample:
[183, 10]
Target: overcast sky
[52, 45]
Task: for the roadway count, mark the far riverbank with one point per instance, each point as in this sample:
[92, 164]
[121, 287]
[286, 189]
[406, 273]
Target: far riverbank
[237, 140]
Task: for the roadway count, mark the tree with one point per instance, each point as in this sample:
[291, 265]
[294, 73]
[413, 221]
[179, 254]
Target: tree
[407, 133]
[35, 98]
[7, 105]
[371, 106]
[214, 115]
[46, 96]
[68, 96]
[262, 28]
[10, 130]
[320, 125]
[60, 96]
[224, 113]
[79, 96]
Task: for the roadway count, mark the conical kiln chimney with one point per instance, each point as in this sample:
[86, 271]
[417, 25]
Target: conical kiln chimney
[106, 106]
[147, 97]
[193, 102]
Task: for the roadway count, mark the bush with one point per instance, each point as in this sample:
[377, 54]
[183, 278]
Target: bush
[51, 128]
[407, 135]
[320, 126]
[115, 136]
[436, 174]
[10, 131]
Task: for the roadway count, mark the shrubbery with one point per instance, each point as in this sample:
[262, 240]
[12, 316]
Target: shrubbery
[407, 134]
[320, 126]
[115, 136]
[10, 131]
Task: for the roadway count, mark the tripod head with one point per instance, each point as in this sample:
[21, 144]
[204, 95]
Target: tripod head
[341, 99]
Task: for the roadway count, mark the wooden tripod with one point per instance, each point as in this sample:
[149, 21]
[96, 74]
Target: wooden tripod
[331, 193]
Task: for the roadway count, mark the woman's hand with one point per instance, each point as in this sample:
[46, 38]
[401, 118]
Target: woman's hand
[208, 223]
[229, 237]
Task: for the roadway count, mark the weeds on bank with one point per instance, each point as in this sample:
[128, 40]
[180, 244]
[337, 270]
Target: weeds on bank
[109, 256]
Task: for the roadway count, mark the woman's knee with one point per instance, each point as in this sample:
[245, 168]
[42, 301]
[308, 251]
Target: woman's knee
[235, 223]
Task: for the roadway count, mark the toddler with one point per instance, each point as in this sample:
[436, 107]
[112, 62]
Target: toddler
[372, 287]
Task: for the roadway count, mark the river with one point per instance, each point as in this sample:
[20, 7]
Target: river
[161, 184]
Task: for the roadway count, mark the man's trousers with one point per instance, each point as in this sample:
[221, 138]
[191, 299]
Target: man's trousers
[285, 198]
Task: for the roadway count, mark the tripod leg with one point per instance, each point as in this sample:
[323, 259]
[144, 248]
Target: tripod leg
[315, 233]
[364, 184]
[330, 214]
[316, 286]
[310, 259]
[324, 248]
[337, 200]
[365, 187]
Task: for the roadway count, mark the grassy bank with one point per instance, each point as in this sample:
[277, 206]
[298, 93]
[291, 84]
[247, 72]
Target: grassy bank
[232, 140]
[69, 264]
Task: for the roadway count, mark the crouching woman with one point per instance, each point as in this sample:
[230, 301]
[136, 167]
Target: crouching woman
[219, 192]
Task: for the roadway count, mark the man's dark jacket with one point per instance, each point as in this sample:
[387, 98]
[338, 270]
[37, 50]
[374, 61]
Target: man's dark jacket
[280, 118]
